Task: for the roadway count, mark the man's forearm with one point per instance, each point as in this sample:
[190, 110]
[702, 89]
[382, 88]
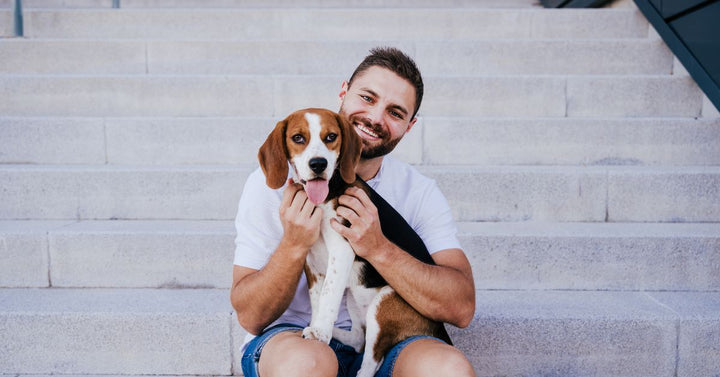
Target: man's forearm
[260, 297]
[443, 292]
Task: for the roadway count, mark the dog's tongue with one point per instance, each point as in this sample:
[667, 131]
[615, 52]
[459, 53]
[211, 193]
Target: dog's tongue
[317, 190]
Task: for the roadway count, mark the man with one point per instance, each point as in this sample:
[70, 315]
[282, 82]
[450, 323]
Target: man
[269, 290]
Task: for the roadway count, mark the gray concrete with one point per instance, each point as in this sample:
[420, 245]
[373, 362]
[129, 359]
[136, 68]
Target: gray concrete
[571, 141]
[77, 192]
[115, 331]
[24, 252]
[167, 254]
[570, 334]
[380, 24]
[664, 194]
[52, 141]
[592, 256]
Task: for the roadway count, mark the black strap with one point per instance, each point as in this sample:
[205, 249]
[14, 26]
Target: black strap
[399, 232]
[396, 229]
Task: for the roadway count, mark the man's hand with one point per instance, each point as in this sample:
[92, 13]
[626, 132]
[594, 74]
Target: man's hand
[300, 219]
[364, 233]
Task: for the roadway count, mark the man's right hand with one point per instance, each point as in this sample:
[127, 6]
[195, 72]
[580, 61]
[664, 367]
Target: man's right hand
[300, 219]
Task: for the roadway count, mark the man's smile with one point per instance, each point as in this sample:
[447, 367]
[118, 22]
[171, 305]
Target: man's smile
[366, 131]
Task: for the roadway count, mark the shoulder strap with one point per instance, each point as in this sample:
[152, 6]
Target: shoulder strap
[396, 229]
[399, 232]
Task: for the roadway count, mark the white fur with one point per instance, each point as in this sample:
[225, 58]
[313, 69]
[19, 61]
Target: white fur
[327, 292]
[315, 148]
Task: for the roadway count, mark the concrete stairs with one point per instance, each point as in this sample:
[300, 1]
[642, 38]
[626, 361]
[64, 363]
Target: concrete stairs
[581, 162]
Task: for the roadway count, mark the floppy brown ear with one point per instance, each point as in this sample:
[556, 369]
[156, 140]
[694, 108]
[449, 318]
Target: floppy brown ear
[349, 150]
[273, 157]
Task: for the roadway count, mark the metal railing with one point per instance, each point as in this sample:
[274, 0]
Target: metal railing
[18, 16]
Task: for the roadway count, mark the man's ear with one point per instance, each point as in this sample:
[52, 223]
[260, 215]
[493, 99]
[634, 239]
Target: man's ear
[273, 157]
[411, 124]
[343, 91]
[350, 149]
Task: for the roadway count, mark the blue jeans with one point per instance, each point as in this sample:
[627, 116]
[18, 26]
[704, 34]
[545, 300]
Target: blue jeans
[349, 361]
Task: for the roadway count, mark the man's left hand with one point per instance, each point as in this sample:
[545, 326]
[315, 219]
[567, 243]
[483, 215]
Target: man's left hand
[364, 233]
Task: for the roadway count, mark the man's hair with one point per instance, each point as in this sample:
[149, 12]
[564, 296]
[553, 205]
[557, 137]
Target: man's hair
[398, 62]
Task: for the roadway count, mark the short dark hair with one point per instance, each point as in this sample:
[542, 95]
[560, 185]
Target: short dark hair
[398, 62]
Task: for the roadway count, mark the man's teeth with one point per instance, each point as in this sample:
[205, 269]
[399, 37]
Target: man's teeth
[366, 130]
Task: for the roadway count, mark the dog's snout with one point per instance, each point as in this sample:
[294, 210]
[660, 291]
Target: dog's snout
[318, 164]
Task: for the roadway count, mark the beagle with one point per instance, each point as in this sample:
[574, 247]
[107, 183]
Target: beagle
[323, 150]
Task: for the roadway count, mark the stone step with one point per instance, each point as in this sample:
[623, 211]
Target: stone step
[194, 332]
[437, 24]
[273, 3]
[268, 96]
[199, 254]
[475, 193]
[477, 57]
[6, 24]
[433, 141]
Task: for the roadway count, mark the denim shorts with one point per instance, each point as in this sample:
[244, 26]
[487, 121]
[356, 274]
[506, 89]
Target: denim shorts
[349, 361]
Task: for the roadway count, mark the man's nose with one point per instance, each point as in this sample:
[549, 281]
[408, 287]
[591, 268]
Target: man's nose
[375, 115]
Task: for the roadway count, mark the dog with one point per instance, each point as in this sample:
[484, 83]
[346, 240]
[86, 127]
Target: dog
[323, 149]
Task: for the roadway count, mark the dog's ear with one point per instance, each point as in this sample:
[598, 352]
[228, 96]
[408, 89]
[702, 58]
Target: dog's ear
[349, 150]
[273, 156]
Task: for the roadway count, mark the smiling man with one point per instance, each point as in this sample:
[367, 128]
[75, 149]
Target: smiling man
[269, 290]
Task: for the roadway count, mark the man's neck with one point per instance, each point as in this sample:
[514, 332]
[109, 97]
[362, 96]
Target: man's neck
[368, 169]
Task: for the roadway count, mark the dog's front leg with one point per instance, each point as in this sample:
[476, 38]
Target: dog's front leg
[340, 259]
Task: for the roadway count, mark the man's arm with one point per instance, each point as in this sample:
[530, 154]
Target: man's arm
[261, 296]
[444, 292]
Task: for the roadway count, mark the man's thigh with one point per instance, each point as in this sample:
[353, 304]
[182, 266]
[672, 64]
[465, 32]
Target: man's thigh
[425, 357]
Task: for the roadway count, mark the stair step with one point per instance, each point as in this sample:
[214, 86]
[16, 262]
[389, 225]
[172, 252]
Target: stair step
[176, 332]
[106, 331]
[274, 3]
[484, 57]
[433, 141]
[593, 334]
[507, 193]
[266, 96]
[6, 24]
[571, 141]
[199, 254]
[331, 24]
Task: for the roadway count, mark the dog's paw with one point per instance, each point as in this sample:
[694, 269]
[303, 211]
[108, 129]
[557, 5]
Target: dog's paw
[315, 333]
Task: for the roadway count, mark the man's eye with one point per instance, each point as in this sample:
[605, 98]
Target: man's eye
[298, 139]
[330, 137]
[366, 98]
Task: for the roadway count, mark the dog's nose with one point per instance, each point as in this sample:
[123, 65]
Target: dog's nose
[318, 164]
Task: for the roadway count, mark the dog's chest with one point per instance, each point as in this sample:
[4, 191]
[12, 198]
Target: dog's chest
[322, 252]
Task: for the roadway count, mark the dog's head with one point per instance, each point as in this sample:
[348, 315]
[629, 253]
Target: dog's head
[317, 143]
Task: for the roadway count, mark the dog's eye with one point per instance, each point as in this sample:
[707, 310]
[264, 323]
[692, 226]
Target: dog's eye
[298, 139]
[330, 138]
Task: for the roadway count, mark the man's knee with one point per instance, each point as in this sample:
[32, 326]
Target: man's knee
[432, 358]
[294, 356]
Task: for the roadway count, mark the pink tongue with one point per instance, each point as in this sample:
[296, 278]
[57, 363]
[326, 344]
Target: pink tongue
[317, 190]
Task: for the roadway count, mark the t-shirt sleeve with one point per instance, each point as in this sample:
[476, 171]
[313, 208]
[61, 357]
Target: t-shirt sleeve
[257, 223]
[434, 222]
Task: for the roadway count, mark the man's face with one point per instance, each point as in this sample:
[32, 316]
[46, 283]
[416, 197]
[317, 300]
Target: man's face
[380, 106]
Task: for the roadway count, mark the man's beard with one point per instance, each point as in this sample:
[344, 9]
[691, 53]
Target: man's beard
[385, 146]
[373, 151]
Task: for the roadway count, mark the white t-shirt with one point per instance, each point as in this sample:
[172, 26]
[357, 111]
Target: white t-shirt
[416, 197]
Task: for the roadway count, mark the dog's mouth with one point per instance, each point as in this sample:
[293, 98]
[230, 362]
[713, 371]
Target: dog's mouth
[316, 189]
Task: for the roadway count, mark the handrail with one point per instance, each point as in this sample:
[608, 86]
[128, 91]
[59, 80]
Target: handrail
[18, 18]
[699, 72]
